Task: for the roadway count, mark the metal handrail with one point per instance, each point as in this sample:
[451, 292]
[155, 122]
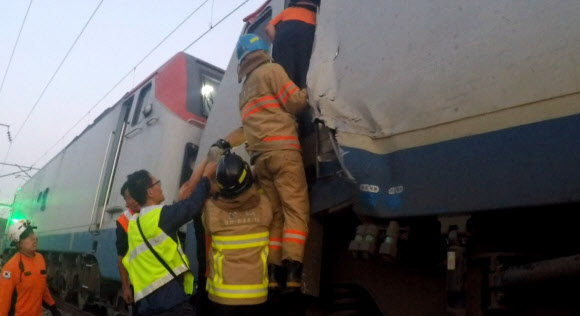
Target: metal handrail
[100, 180]
[115, 161]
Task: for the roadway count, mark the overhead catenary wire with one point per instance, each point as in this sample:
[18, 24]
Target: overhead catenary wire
[6, 73]
[132, 71]
[56, 71]
[139, 63]
[15, 45]
[218, 23]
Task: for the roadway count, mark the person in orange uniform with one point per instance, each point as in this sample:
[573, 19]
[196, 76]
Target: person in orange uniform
[267, 102]
[23, 288]
[238, 221]
[292, 35]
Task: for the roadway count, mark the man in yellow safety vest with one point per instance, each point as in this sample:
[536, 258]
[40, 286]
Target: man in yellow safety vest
[157, 267]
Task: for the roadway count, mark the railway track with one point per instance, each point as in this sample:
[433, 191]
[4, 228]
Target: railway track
[68, 309]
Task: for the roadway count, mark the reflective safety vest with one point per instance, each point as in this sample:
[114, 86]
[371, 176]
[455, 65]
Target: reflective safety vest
[125, 218]
[237, 258]
[147, 274]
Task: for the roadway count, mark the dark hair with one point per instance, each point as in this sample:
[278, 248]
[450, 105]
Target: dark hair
[124, 187]
[138, 182]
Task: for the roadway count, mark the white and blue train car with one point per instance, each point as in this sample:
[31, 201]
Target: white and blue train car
[445, 134]
[75, 198]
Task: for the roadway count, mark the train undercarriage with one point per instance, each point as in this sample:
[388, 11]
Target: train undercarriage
[479, 264]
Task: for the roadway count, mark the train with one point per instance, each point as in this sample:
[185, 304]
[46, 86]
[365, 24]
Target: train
[441, 148]
[75, 199]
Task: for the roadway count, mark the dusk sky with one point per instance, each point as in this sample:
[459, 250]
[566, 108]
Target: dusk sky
[117, 37]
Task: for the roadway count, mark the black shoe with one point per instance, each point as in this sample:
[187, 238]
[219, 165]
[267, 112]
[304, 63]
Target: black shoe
[293, 273]
[275, 277]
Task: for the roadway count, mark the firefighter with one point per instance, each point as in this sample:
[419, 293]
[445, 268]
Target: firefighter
[157, 267]
[237, 221]
[292, 35]
[23, 289]
[268, 100]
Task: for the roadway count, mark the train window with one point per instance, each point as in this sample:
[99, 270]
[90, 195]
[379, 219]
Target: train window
[258, 26]
[128, 104]
[209, 87]
[42, 198]
[144, 98]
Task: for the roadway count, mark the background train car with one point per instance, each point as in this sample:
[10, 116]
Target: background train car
[75, 198]
[450, 132]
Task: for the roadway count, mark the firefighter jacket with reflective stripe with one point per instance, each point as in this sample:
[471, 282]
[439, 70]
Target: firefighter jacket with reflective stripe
[239, 248]
[268, 100]
[124, 219]
[147, 274]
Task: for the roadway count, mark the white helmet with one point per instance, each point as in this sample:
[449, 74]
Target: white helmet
[17, 229]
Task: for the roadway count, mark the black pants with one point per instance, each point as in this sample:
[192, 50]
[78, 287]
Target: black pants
[293, 48]
[216, 309]
[184, 308]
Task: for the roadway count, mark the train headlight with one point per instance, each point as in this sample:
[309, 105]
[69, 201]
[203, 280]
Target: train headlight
[206, 91]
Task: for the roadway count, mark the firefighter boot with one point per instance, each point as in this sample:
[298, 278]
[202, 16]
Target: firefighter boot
[293, 274]
[275, 277]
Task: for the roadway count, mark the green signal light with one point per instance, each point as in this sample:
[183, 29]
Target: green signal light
[19, 188]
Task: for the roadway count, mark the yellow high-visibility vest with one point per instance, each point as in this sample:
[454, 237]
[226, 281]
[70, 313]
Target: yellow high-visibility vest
[147, 274]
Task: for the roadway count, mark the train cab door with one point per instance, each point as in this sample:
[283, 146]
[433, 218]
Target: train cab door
[139, 143]
[109, 165]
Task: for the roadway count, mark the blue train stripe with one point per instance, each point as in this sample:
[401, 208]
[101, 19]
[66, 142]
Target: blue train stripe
[528, 165]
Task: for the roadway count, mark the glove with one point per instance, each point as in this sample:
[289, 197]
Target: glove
[217, 150]
[223, 144]
[54, 311]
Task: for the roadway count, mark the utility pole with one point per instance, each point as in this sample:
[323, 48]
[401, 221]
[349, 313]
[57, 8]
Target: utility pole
[7, 131]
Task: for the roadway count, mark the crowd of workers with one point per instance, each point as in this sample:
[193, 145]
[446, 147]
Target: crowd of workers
[256, 222]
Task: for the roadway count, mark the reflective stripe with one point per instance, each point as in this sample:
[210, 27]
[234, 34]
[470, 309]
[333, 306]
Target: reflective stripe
[278, 138]
[293, 140]
[240, 244]
[159, 282]
[276, 243]
[257, 102]
[283, 100]
[240, 237]
[260, 108]
[264, 257]
[298, 241]
[143, 246]
[240, 291]
[295, 236]
[286, 91]
[218, 270]
[240, 241]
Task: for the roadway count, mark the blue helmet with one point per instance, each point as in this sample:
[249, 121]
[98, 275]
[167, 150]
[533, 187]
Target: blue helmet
[250, 43]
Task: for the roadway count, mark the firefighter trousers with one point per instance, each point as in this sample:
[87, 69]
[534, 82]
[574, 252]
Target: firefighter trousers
[281, 175]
